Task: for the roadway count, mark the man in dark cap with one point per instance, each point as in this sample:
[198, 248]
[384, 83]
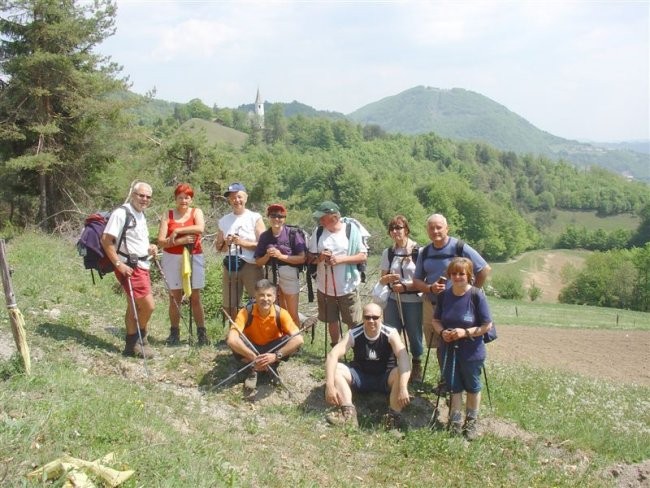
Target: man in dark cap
[337, 246]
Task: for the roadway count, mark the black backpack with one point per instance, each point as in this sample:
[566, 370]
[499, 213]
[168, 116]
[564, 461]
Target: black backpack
[89, 245]
[414, 254]
[460, 245]
[491, 335]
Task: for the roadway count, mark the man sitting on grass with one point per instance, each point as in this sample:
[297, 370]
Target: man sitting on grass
[380, 363]
[265, 330]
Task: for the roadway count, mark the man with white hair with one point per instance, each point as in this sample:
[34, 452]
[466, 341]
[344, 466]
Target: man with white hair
[129, 254]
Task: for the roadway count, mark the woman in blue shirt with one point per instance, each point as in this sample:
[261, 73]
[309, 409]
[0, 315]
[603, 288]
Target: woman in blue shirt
[461, 318]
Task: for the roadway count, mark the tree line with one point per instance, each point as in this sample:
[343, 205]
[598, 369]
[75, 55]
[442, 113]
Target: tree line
[71, 141]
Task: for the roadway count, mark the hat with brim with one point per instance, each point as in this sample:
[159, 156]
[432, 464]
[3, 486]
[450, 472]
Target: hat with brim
[276, 208]
[326, 208]
[234, 188]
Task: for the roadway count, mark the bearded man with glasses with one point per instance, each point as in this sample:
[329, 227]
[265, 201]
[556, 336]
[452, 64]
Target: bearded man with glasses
[380, 363]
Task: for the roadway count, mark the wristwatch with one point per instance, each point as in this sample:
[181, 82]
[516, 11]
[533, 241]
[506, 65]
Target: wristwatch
[279, 355]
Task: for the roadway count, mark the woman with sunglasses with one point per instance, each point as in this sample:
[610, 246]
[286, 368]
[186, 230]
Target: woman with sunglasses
[283, 250]
[181, 228]
[404, 307]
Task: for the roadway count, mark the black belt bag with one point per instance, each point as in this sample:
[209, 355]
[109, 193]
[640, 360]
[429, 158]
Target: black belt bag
[233, 263]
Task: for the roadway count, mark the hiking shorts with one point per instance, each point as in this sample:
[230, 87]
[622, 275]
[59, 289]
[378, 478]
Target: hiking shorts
[430, 336]
[288, 280]
[328, 308]
[140, 282]
[234, 282]
[364, 382]
[467, 376]
[171, 265]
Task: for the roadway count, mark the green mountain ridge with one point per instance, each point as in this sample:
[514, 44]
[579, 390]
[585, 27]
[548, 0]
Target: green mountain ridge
[465, 115]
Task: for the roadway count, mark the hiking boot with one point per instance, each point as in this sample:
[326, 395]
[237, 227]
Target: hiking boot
[174, 338]
[131, 340]
[470, 429]
[345, 415]
[394, 421]
[440, 389]
[142, 350]
[416, 371]
[202, 335]
[455, 428]
[308, 323]
[250, 383]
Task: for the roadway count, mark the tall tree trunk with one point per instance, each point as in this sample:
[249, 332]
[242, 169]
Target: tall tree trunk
[42, 200]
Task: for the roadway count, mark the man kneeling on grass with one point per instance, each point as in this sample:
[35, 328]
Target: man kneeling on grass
[266, 326]
[380, 363]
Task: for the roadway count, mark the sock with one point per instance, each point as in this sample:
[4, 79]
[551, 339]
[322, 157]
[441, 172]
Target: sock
[472, 413]
[455, 416]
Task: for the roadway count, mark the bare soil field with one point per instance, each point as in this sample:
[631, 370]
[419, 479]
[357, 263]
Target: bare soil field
[606, 354]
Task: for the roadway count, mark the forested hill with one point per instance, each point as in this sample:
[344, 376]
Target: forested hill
[465, 115]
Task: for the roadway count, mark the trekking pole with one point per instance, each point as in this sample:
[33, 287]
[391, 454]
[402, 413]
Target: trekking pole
[137, 324]
[487, 386]
[178, 305]
[223, 317]
[436, 410]
[250, 345]
[426, 361]
[401, 319]
[338, 304]
[252, 363]
[326, 307]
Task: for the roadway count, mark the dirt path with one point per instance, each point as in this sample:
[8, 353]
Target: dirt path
[607, 354]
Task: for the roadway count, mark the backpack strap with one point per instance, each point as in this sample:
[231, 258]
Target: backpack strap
[249, 315]
[460, 245]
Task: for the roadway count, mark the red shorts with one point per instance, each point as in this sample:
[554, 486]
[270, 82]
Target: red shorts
[140, 282]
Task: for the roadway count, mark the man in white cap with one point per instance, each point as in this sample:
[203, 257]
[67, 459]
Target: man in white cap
[238, 234]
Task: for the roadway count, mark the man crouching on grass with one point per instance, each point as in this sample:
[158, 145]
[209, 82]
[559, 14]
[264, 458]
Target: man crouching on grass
[265, 330]
[380, 363]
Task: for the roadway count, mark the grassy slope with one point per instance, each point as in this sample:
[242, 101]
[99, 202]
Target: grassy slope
[216, 133]
[85, 399]
[590, 221]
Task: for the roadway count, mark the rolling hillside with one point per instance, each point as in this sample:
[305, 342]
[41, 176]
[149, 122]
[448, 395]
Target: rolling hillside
[465, 115]
[216, 133]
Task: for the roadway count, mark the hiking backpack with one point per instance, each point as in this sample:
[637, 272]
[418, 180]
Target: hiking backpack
[460, 245]
[348, 230]
[89, 245]
[414, 254]
[490, 335]
[249, 315]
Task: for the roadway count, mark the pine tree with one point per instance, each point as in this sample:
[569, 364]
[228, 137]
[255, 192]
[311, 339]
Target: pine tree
[54, 103]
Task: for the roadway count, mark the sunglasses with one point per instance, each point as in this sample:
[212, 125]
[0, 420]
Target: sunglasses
[395, 227]
[142, 195]
[277, 216]
[371, 317]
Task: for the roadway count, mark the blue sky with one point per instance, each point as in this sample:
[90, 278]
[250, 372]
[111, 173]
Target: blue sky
[576, 69]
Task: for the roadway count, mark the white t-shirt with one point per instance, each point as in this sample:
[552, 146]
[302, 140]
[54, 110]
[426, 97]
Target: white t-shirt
[338, 243]
[244, 226]
[137, 238]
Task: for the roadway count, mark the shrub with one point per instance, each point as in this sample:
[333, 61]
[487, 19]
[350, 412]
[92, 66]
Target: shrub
[508, 287]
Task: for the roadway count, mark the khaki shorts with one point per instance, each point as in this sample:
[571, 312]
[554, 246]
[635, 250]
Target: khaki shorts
[233, 286]
[433, 340]
[328, 308]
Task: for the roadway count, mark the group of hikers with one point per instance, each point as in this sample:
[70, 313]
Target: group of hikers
[426, 294]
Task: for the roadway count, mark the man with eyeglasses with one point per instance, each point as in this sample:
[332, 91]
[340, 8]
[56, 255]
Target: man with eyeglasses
[430, 278]
[380, 363]
[130, 259]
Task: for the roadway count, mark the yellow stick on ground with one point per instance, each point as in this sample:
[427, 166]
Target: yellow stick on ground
[15, 317]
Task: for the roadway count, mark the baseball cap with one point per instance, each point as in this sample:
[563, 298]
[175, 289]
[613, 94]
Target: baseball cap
[326, 208]
[234, 187]
[276, 208]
